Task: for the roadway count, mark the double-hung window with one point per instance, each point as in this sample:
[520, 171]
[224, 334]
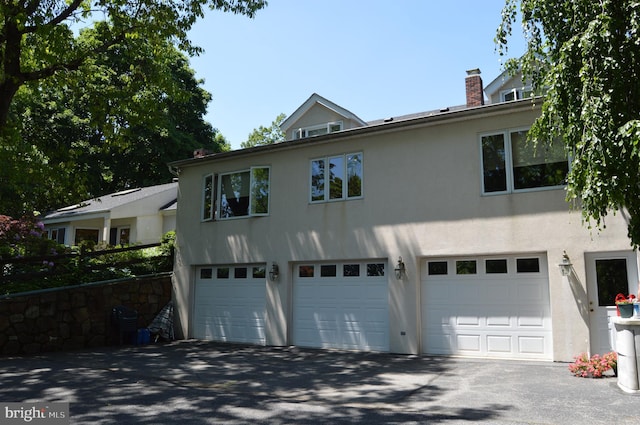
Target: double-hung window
[336, 177]
[237, 194]
[511, 164]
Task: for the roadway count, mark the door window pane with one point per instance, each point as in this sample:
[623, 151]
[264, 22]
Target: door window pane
[240, 273]
[351, 270]
[437, 268]
[612, 279]
[493, 163]
[206, 273]
[328, 270]
[222, 273]
[305, 271]
[466, 267]
[376, 269]
[259, 272]
[496, 266]
[528, 265]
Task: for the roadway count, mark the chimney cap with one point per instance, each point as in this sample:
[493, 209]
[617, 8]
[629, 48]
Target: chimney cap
[474, 71]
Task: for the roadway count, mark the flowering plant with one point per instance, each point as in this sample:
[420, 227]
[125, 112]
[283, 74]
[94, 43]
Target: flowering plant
[622, 299]
[594, 366]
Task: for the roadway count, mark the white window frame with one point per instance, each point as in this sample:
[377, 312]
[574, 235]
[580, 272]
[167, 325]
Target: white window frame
[327, 186]
[510, 180]
[218, 199]
[119, 229]
[208, 215]
[303, 132]
[517, 92]
[54, 234]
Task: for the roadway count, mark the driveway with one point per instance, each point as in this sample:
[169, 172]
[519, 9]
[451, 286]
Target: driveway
[196, 382]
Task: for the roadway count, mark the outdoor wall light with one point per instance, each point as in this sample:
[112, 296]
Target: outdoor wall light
[565, 265]
[274, 273]
[399, 269]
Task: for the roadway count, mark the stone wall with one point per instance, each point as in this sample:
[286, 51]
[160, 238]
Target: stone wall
[70, 318]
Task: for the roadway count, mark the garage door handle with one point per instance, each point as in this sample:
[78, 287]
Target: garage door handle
[591, 310]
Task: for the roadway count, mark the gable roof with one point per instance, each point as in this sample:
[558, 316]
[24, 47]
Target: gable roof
[111, 201]
[503, 79]
[311, 102]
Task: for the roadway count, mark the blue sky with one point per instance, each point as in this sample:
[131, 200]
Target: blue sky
[376, 58]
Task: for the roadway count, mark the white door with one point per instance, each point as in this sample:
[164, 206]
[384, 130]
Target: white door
[487, 307]
[341, 305]
[230, 304]
[608, 274]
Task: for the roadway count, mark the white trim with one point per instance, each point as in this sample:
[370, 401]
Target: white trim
[212, 212]
[508, 154]
[345, 186]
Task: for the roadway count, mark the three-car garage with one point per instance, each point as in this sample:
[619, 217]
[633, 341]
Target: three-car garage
[478, 306]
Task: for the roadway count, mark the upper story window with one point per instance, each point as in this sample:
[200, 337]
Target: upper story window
[515, 94]
[238, 194]
[510, 164]
[336, 178]
[318, 130]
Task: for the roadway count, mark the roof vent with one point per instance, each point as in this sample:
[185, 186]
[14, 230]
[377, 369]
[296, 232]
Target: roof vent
[388, 119]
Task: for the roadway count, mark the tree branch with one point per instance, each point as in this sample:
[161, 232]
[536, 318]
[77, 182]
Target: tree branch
[73, 6]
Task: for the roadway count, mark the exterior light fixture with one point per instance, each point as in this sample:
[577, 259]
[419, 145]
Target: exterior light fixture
[399, 269]
[274, 273]
[565, 265]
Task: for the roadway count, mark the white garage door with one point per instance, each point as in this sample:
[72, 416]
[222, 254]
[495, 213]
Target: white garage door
[487, 307]
[230, 304]
[341, 305]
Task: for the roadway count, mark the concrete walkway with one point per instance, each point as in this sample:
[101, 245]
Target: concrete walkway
[195, 382]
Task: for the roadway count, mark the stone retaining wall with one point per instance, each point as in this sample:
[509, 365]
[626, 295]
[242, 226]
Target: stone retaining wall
[70, 318]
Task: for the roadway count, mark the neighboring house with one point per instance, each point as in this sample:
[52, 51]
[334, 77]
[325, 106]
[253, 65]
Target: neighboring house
[141, 215]
[433, 233]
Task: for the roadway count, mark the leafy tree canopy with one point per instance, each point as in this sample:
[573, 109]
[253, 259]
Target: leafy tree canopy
[266, 135]
[96, 95]
[112, 126]
[38, 38]
[585, 56]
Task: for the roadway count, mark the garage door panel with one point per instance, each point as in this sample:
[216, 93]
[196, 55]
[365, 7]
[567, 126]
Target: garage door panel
[489, 315]
[499, 344]
[229, 309]
[343, 312]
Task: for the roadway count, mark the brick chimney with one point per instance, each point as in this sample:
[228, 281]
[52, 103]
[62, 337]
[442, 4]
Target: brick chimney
[473, 85]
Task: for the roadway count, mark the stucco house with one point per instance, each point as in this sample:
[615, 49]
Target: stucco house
[140, 215]
[434, 233]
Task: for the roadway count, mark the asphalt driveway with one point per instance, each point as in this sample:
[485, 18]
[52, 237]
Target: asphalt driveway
[196, 382]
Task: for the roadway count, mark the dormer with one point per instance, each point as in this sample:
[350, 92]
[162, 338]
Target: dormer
[508, 87]
[318, 116]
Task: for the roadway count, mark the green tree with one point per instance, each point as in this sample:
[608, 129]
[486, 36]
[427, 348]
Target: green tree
[584, 56]
[38, 38]
[102, 131]
[266, 135]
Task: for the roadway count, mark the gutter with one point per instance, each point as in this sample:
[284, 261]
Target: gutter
[389, 125]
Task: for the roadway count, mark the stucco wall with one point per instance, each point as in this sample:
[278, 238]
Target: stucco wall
[422, 198]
